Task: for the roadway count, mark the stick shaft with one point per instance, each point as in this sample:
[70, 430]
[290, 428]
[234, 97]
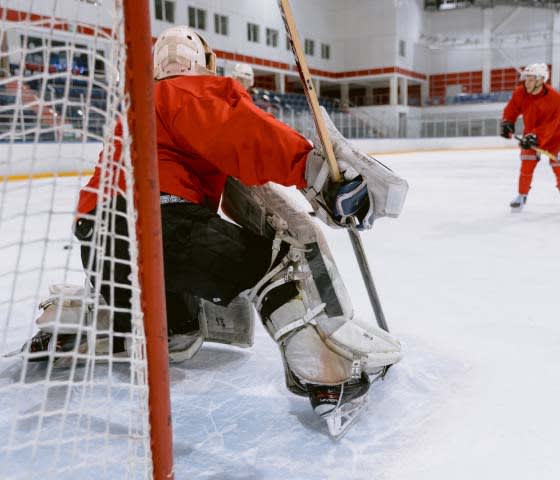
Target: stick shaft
[358, 247]
[313, 102]
[308, 87]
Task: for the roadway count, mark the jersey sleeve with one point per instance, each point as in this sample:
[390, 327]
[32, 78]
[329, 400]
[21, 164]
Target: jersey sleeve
[241, 140]
[89, 194]
[513, 108]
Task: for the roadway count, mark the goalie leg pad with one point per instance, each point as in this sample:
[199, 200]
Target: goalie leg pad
[327, 351]
[71, 322]
[306, 309]
[68, 309]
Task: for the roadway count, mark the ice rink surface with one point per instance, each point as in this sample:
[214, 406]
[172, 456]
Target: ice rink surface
[471, 290]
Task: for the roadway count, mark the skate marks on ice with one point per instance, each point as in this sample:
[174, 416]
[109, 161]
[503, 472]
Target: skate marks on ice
[54, 415]
[234, 419]
[501, 221]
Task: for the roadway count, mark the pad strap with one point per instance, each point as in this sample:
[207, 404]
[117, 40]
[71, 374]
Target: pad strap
[318, 182]
[309, 317]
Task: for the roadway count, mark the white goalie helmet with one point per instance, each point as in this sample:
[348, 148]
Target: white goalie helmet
[539, 70]
[181, 51]
[244, 74]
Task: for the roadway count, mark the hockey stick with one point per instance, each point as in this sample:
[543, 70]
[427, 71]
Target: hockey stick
[537, 149]
[313, 102]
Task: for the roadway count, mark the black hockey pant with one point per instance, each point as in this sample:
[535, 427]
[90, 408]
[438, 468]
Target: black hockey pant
[204, 256]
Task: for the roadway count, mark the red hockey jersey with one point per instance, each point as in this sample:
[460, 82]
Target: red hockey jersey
[541, 115]
[208, 128]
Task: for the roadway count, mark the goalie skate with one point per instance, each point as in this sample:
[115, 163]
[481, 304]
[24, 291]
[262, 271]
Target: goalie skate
[64, 349]
[340, 405]
[64, 332]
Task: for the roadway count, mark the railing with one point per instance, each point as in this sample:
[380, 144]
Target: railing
[381, 99]
[471, 98]
[460, 126]
[350, 124]
[20, 126]
[442, 5]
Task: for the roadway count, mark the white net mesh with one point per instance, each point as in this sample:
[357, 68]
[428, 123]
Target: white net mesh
[73, 403]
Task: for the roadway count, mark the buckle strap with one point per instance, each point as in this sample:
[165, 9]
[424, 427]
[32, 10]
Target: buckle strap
[309, 317]
[288, 276]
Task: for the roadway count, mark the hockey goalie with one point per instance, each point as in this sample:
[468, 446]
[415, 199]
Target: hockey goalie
[273, 260]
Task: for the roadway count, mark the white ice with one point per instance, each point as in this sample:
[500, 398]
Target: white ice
[472, 291]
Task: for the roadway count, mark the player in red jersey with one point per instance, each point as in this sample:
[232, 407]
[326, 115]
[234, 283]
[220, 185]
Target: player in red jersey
[539, 104]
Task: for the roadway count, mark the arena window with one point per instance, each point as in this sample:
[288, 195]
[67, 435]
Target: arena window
[271, 37]
[221, 24]
[402, 48]
[197, 18]
[165, 10]
[253, 32]
[309, 47]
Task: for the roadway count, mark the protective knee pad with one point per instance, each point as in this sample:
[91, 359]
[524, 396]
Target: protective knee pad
[302, 299]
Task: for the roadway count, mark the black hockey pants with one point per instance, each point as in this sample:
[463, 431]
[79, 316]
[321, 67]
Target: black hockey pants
[204, 256]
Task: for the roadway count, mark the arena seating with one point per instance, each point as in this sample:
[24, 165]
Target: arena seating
[295, 102]
[471, 98]
[83, 101]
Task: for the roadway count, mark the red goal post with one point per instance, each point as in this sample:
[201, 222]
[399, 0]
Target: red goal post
[102, 415]
[144, 159]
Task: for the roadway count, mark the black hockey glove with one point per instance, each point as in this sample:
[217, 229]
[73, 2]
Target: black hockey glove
[349, 199]
[508, 129]
[528, 141]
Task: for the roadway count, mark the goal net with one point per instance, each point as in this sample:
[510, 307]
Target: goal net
[75, 400]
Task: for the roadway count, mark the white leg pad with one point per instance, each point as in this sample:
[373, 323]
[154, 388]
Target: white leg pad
[376, 347]
[328, 351]
[69, 309]
[320, 339]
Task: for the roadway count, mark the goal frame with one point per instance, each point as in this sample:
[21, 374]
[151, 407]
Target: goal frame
[142, 124]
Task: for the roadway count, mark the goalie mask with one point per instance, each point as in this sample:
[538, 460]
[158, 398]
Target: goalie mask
[181, 51]
[244, 74]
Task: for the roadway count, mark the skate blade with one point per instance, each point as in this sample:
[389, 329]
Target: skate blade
[22, 353]
[66, 359]
[516, 209]
[341, 419]
[13, 353]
